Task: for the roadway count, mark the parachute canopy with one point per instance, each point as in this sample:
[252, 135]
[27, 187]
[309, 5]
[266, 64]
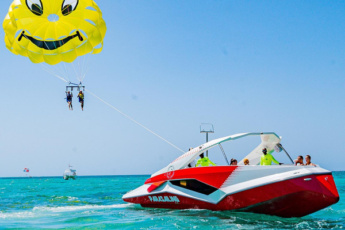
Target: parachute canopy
[26, 170]
[53, 31]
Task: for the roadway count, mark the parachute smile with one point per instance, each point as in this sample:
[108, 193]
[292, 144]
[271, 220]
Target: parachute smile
[50, 45]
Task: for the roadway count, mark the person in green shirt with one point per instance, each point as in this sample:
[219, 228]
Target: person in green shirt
[267, 158]
[204, 161]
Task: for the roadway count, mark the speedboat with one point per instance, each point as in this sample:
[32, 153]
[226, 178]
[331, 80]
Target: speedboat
[282, 190]
[70, 173]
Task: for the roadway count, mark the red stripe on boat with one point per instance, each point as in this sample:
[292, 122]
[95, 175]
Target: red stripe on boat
[155, 185]
[213, 175]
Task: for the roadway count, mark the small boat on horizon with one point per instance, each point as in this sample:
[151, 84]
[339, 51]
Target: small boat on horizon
[282, 190]
[70, 173]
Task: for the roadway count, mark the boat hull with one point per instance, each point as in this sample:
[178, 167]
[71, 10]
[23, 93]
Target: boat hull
[290, 192]
[69, 177]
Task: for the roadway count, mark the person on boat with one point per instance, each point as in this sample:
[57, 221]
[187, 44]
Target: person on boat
[233, 162]
[299, 160]
[81, 99]
[204, 161]
[69, 100]
[308, 160]
[267, 158]
[246, 161]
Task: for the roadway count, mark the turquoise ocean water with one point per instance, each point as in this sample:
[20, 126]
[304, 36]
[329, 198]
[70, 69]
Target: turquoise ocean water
[95, 203]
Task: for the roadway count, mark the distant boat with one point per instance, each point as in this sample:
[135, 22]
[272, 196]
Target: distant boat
[70, 173]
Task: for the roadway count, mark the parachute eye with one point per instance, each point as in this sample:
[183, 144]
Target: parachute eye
[68, 6]
[35, 6]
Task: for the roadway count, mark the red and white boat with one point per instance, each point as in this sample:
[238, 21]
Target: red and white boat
[281, 190]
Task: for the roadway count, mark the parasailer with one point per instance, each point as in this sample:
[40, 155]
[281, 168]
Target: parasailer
[69, 97]
[26, 171]
[81, 99]
[56, 31]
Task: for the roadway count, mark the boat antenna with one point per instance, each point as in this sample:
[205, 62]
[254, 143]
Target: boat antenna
[206, 128]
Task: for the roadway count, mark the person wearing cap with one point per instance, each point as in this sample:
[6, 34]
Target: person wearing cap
[204, 161]
[267, 158]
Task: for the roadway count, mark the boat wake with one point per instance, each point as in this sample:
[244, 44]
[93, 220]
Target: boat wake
[41, 211]
[79, 208]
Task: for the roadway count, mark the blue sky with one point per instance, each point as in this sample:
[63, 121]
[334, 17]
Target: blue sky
[245, 66]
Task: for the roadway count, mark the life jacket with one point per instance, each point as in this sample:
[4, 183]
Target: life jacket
[267, 159]
[204, 162]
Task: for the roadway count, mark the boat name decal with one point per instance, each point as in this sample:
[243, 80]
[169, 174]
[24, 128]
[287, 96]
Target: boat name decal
[164, 199]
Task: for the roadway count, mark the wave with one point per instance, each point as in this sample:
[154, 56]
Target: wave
[19, 215]
[40, 211]
[78, 208]
[331, 212]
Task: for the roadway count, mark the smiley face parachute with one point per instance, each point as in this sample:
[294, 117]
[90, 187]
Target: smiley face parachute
[54, 31]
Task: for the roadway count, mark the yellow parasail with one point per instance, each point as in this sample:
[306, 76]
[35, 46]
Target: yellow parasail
[54, 31]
